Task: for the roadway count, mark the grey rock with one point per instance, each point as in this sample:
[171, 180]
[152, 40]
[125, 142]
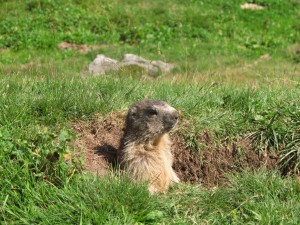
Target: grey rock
[102, 64]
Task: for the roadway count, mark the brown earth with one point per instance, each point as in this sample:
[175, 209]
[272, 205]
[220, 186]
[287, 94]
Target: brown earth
[83, 49]
[98, 142]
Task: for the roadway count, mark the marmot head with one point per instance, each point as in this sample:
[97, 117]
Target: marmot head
[150, 118]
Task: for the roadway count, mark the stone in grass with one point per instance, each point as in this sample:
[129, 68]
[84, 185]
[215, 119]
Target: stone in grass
[102, 64]
[153, 68]
[252, 6]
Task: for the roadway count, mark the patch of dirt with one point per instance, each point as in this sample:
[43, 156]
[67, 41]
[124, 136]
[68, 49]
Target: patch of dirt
[99, 142]
[30, 64]
[83, 49]
[213, 161]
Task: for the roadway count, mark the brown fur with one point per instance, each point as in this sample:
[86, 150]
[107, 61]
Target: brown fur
[146, 145]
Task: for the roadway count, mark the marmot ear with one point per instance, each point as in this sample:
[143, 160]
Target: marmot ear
[132, 111]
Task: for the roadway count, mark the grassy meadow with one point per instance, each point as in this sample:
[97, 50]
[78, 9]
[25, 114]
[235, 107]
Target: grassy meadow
[237, 74]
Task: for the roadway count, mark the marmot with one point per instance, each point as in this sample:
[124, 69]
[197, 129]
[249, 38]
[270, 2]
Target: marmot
[146, 147]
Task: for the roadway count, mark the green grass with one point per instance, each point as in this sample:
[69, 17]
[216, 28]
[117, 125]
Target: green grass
[260, 198]
[55, 100]
[199, 35]
[220, 84]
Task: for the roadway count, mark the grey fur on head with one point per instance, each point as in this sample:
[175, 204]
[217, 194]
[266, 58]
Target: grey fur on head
[150, 118]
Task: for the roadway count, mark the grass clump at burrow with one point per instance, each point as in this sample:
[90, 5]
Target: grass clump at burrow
[236, 86]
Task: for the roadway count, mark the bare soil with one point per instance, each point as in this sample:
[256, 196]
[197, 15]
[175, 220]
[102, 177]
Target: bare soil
[83, 49]
[98, 142]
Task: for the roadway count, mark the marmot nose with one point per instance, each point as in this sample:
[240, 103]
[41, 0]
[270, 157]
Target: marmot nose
[170, 120]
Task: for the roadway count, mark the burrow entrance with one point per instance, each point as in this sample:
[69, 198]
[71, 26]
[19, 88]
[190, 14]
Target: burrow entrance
[99, 142]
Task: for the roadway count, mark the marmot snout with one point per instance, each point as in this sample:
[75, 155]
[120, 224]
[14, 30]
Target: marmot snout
[146, 146]
[170, 120]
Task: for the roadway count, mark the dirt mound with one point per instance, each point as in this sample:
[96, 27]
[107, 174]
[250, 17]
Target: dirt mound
[99, 142]
[210, 164]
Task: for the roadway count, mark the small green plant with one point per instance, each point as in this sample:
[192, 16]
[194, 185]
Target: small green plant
[6, 142]
[193, 143]
[42, 153]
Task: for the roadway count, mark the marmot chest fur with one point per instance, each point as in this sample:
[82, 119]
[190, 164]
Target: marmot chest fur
[146, 146]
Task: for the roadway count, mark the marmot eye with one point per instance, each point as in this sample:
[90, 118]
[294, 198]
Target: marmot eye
[152, 111]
